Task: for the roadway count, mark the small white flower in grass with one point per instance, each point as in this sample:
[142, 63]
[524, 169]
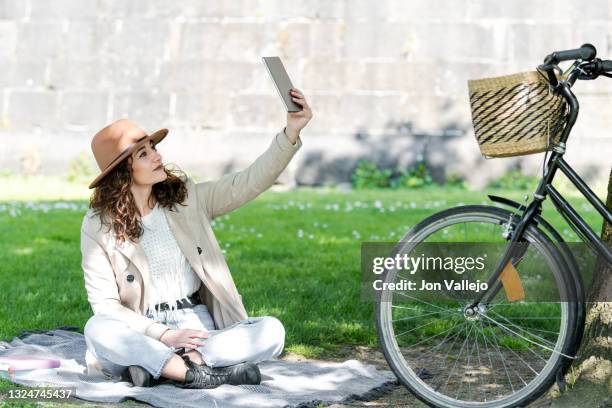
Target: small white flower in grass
[227, 244]
[392, 208]
[300, 233]
[325, 225]
[356, 234]
[377, 204]
[259, 235]
[311, 236]
[13, 212]
[336, 207]
[412, 204]
[290, 202]
[252, 230]
[224, 251]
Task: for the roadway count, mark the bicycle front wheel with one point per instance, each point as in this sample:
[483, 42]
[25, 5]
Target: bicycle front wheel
[504, 356]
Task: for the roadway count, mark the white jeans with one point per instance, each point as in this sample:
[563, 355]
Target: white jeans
[116, 346]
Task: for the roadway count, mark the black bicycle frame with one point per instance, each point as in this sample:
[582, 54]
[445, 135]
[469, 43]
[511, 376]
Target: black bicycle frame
[569, 213]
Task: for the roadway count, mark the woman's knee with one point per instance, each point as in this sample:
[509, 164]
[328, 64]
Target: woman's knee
[274, 330]
[99, 327]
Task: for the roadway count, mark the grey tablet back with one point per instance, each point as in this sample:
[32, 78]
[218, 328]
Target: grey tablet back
[281, 81]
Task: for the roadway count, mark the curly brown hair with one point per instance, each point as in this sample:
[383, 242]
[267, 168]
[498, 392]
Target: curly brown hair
[113, 201]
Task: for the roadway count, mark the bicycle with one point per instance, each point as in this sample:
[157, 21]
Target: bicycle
[489, 352]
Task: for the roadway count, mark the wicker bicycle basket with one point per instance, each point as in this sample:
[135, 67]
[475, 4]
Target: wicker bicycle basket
[515, 115]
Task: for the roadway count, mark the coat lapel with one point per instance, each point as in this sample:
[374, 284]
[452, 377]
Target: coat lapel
[136, 255]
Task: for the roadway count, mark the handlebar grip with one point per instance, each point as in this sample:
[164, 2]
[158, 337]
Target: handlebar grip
[606, 66]
[585, 52]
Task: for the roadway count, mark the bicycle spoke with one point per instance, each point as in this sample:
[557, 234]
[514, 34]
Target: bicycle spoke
[460, 351]
[523, 337]
[422, 301]
[435, 335]
[484, 338]
[512, 368]
[416, 317]
[504, 364]
[526, 331]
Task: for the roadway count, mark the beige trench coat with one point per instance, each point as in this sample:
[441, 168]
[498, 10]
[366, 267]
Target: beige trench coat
[107, 265]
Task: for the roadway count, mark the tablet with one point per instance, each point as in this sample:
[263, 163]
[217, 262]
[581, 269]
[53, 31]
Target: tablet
[281, 81]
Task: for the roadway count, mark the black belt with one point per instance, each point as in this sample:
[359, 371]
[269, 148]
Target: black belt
[194, 298]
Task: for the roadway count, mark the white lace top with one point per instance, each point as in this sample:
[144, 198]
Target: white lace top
[172, 277]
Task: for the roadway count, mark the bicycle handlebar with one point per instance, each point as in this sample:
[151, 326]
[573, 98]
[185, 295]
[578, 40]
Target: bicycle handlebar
[585, 52]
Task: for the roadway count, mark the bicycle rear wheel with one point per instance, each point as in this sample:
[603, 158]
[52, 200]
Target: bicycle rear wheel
[504, 356]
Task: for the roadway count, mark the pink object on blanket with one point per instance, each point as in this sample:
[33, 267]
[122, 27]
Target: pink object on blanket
[21, 363]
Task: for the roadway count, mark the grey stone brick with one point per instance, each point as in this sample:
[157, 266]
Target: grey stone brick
[365, 10]
[292, 40]
[538, 10]
[132, 8]
[407, 11]
[455, 42]
[129, 73]
[76, 72]
[27, 109]
[13, 10]
[593, 10]
[40, 40]
[8, 36]
[326, 9]
[60, 9]
[23, 73]
[148, 109]
[257, 111]
[138, 38]
[201, 41]
[326, 39]
[530, 43]
[326, 113]
[325, 75]
[275, 10]
[209, 76]
[202, 109]
[84, 108]
[85, 38]
[241, 41]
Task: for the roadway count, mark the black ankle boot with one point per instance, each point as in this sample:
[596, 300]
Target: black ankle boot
[203, 376]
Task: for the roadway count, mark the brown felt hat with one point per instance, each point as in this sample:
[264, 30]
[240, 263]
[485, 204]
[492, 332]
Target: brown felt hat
[117, 141]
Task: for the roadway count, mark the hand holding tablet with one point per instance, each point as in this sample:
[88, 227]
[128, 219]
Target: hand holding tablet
[298, 111]
[281, 80]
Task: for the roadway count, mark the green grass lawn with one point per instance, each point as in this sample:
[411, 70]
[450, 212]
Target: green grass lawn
[293, 255]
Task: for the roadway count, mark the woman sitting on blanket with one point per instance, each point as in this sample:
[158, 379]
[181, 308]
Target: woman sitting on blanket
[165, 305]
